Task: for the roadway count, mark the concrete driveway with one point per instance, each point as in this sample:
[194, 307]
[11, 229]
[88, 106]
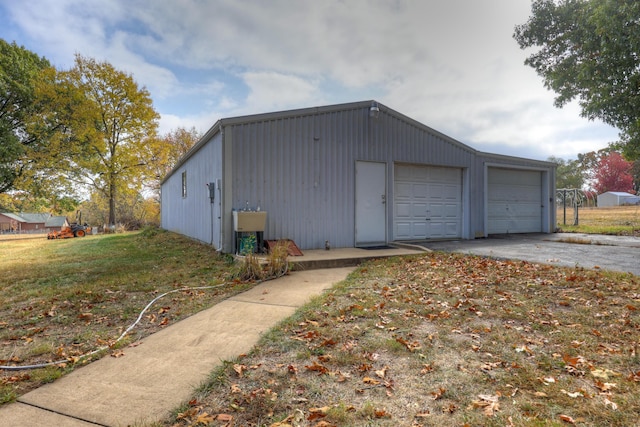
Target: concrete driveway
[615, 253]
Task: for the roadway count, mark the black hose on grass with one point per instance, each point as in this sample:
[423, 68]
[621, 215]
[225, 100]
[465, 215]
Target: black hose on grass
[133, 325]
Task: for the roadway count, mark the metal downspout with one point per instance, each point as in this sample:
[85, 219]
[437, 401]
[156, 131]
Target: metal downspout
[220, 192]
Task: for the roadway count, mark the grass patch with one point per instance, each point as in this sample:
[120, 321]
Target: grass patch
[64, 298]
[443, 339]
[616, 220]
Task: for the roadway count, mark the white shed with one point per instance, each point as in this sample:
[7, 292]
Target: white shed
[617, 198]
[357, 174]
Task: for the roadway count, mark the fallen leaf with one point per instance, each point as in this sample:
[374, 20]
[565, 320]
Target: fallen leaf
[602, 386]
[371, 381]
[435, 395]
[381, 413]
[382, 372]
[317, 368]
[489, 404]
[426, 368]
[567, 419]
[315, 413]
[634, 376]
[239, 369]
[117, 354]
[224, 417]
[604, 373]
[607, 402]
[524, 349]
[204, 418]
[549, 380]
[573, 394]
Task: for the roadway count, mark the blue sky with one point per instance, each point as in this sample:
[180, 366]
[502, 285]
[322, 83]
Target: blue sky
[450, 64]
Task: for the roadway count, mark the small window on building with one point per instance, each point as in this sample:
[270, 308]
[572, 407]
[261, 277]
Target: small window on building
[184, 184]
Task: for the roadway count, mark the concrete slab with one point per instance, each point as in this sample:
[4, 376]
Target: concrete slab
[161, 373]
[345, 257]
[615, 253]
[21, 415]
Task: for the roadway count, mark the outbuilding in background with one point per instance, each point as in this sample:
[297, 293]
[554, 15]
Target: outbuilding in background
[617, 198]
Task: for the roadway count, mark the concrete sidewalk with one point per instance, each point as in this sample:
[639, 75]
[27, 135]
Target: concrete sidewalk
[161, 373]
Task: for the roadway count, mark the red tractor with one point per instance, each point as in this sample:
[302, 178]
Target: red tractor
[74, 229]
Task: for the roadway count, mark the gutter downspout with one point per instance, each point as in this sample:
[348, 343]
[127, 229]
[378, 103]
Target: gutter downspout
[220, 192]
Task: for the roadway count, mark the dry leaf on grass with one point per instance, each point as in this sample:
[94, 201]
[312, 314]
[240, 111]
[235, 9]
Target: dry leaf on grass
[567, 419]
[239, 369]
[613, 405]
[489, 404]
[435, 395]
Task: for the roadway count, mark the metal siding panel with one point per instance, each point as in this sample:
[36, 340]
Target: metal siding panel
[302, 169]
[192, 215]
[309, 180]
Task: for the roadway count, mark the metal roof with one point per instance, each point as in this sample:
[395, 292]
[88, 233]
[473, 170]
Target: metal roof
[29, 218]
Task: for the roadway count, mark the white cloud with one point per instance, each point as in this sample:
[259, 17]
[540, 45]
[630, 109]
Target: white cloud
[273, 91]
[452, 65]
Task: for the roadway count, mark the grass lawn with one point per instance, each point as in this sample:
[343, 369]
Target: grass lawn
[63, 298]
[616, 220]
[431, 340]
[442, 340]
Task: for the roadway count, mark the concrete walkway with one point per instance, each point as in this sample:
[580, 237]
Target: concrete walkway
[161, 373]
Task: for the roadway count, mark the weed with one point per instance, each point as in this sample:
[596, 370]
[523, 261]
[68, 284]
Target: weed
[7, 394]
[254, 267]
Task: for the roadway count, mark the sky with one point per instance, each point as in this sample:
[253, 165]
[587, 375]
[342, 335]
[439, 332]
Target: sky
[452, 65]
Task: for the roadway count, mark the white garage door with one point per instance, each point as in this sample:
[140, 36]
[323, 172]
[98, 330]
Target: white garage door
[427, 202]
[514, 201]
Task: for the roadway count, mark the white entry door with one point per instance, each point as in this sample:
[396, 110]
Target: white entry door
[371, 203]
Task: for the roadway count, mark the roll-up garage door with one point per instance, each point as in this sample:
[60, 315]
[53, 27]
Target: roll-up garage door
[514, 201]
[427, 202]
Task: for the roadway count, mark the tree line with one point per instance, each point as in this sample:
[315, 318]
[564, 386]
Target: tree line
[588, 51]
[86, 134]
[598, 172]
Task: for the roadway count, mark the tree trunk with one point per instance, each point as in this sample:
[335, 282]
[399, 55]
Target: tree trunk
[112, 203]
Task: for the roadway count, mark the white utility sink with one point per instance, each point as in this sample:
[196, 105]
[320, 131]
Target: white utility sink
[249, 221]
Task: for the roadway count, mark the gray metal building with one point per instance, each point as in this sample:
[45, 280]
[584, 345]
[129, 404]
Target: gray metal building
[357, 174]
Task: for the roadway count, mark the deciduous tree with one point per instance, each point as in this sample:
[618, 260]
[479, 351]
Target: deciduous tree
[109, 128]
[589, 50]
[21, 129]
[167, 151]
[613, 174]
[569, 173]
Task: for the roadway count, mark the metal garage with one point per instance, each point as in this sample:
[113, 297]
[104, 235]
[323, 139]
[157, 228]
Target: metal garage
[358, 174]
[427, 202]
[514, 201]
